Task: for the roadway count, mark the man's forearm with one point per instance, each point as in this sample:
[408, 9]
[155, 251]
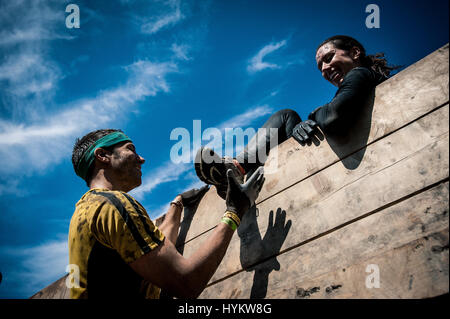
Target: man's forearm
[187, 277]
[205, 261]
[171, 223]
[184, 277]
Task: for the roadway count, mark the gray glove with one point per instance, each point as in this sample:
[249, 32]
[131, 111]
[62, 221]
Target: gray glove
[240, 197]
[193, 196]
[304, 130]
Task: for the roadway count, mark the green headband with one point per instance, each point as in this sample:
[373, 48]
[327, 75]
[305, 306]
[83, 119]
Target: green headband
[88, 157]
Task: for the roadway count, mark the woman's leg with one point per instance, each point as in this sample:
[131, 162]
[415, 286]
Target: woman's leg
[277, 129]
[211, 168]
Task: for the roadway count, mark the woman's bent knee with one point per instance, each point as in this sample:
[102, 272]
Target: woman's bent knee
[288, 115]
[286, 112]
[284, 119]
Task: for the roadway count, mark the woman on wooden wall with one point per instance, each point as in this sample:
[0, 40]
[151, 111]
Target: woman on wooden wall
[343, 62]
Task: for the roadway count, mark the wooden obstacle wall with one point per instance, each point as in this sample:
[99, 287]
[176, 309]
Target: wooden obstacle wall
[378, 196]
[339, 211]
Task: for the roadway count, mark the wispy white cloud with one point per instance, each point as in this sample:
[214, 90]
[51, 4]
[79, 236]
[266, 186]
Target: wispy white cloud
[12, 186]
[164, 173]
[28, 147]
[181, 51]
[28, 76]
[246, 118]
[30, 22]
[32, 268]
[164, 20]
[29, 35]
[33, 138]
[28, 73]
[257, 64]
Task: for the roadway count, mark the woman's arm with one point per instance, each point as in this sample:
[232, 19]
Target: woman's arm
[334, 117]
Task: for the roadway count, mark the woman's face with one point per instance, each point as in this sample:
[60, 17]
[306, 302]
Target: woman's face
[336, 63]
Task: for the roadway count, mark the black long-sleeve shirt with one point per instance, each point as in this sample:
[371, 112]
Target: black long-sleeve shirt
[351, 95]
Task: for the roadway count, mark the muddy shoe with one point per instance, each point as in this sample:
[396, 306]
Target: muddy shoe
[222, 191]
[212, 169]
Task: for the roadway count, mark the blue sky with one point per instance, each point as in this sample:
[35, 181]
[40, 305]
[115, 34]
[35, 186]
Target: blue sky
[149, 67]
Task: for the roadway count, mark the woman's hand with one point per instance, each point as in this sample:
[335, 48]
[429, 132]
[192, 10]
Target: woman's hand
[241, 197]
[303, 131]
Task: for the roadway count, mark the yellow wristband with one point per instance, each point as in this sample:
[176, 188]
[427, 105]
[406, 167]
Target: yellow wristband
[233, 216]
[229, 222]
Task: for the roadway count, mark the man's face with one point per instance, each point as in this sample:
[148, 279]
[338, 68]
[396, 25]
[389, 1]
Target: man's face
[126, 164]
[336, 63]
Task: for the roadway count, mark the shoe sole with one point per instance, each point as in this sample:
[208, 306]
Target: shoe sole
[200, 168]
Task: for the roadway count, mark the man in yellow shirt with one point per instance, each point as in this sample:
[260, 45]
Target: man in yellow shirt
[118, 250]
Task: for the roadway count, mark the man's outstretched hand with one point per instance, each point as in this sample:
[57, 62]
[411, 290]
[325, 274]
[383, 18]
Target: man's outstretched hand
[193, 196]
[240, 197]
[303, 131]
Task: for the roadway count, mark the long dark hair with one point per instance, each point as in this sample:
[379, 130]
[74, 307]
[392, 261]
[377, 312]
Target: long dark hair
[376, 62]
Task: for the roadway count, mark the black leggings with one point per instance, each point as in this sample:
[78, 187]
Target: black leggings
[283, 122]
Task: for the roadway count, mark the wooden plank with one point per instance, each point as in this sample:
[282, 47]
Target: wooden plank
[57, 290]
[397, 230]
[209, 211]
[402, 99]
[414, 270]
[393, 167]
